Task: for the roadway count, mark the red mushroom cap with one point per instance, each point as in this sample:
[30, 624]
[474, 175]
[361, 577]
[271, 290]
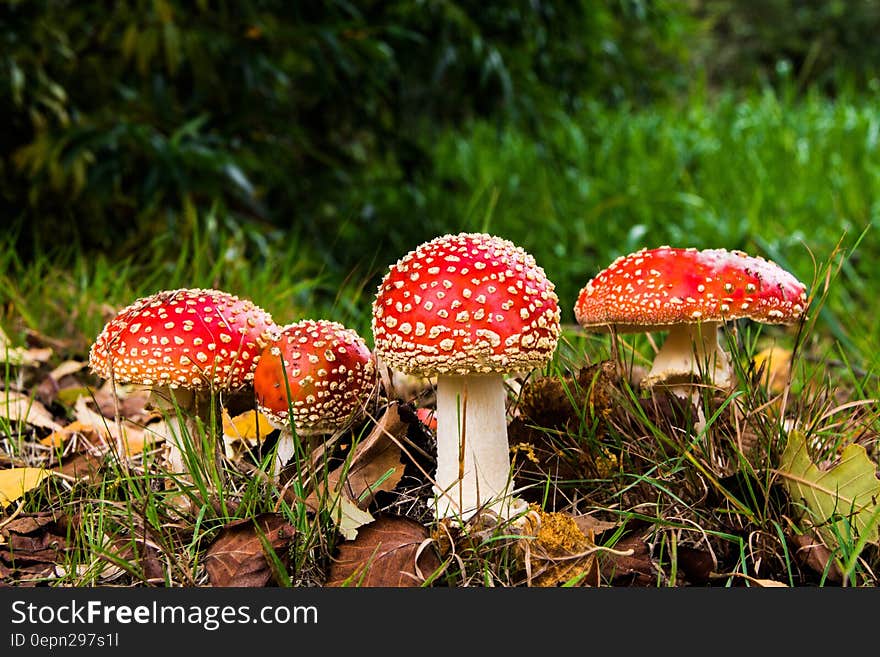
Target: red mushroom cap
[650, 289]
[183, 338]
[329, 371]
[464, 304]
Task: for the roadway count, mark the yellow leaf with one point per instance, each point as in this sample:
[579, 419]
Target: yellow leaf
[58, 438]
[15, 482]
[777, 367]
[848, 492]
[250, 426]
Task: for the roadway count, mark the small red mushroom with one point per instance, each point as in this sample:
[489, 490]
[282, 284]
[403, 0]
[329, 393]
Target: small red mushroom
[318, 369]
[467, 308]
[190, 346]
[426, 417]
[689, 293]
[321, 372]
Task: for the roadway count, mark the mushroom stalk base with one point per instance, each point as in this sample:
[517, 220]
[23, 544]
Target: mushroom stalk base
[473, 457]
[303, 446]
[186, 442]
[691, 351]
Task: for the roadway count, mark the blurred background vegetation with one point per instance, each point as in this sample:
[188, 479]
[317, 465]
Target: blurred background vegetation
[352, 132]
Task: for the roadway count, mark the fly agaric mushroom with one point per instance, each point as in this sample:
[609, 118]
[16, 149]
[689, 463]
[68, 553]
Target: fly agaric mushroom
[318, 369]
[689, 293]
[189, 346]
[468, 309]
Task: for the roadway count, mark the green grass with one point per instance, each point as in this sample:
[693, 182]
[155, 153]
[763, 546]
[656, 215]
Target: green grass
[789, 180]
[793, 180]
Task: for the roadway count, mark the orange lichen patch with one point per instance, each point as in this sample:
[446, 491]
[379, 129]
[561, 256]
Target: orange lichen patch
[663, 286]
[183, 338]
[328, 369]
[559, 533]
[527, 450]
[557, 550]
[465, 304]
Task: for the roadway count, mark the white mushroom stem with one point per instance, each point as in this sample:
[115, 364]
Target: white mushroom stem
[192, 406]
[691, 350]
[473, 457]
[304, 443]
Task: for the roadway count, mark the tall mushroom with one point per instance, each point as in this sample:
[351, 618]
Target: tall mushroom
[468, 309]
[689, 293]
[190, 346]
[320, 371]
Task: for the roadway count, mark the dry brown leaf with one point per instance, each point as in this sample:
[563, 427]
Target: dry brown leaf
[26, 357]
[130, 401]
[57, 439]
[134, 437]
[60, 381]
[16, 407]
[238, 557]
[20, 355]
[27, 524]
[591, 526]
[813, 553]
[34, 574]
[754, 581]
[158, 432]
[374, 466]
[135, 407]
[697, 565]
[635, 568]
[66, 368]
[140, 552]
[85, 415]
[80, 466]
[767, 583]
[35, 539]
[36, 339]
[349, 518]
[391, 551]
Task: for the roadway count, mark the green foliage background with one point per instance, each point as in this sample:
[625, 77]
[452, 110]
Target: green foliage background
[581, 130]
[120, 114]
